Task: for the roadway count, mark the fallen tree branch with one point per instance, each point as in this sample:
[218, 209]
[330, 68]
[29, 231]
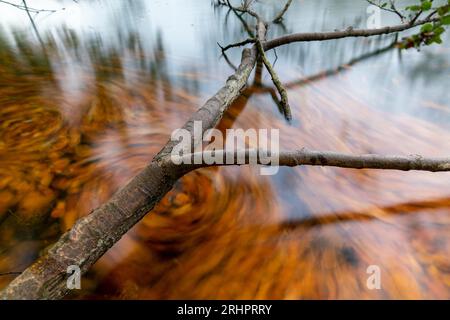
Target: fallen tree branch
[320, 158]
[322, 36]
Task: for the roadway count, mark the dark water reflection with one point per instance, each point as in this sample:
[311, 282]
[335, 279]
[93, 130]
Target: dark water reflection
[84, 110]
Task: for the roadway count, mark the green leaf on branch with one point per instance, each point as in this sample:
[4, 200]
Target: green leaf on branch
[445, 20]
[426, 5]
[427, 27]
[414, 8]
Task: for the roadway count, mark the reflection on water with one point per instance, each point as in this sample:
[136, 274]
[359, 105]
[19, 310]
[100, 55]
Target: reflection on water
[84, 111]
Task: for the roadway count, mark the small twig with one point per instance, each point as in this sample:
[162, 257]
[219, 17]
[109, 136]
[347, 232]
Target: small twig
[33, 24]
[247, 10]
[416, 17]
[435, 12]
[228, 61]
[244, 23]
[237, 44]
[25, 8]
[392, 8]
[276, 57]
[279, 17]
[396, 11]
[431, 15]
[284, 103]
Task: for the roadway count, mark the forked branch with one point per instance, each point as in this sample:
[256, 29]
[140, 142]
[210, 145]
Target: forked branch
[390, 7]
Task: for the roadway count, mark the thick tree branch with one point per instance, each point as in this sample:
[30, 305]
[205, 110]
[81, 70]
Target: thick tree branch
[321, 36]
[324, 159]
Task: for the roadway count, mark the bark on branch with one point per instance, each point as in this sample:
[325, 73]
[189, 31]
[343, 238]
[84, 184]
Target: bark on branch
[322, 158]
[322, 36]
